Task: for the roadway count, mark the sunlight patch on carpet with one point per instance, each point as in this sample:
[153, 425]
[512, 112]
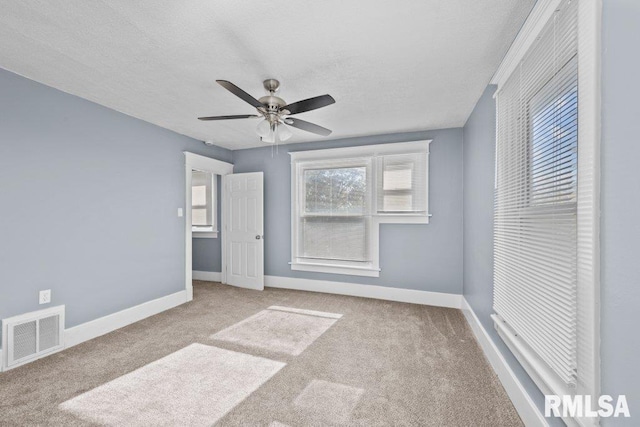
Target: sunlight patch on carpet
[194, 386]
[279, 329]
[329, 401]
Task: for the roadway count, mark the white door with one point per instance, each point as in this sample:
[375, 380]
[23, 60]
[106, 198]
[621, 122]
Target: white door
[245, 233]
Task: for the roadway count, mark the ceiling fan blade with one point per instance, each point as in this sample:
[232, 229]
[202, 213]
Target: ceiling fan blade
[239, 93]
[309, 104]
[238, 116]
[306, 126]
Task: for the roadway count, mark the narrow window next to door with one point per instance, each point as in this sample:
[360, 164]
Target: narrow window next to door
[203, 204]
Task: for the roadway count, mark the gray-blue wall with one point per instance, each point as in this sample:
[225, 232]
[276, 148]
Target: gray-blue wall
[425, 257]
[88, 204]
[207, 253]
[620, 204]
[620, 210]
[479, 180]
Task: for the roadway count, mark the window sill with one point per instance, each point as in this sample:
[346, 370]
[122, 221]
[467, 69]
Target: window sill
[384, 218]
[335, 269]
[205, 234]
[538, 370]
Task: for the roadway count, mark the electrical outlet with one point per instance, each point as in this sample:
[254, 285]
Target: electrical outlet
[45, 296]
[180, 214]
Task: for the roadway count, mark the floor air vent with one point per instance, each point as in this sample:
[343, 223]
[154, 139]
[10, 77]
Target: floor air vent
[30, 336]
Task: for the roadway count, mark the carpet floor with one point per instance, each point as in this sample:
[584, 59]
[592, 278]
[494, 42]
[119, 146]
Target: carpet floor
[381, 364]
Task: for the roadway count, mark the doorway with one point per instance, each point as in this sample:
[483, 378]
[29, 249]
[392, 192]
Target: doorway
[206, 222]
[239, 225]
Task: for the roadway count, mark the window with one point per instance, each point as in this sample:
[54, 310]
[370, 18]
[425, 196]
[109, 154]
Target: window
[334, 219]
[342, 195]
[203, 204]
[545, 222]
[402, 184]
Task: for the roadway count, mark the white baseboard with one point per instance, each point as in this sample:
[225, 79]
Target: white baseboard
[104, 325]
[208, 276]
[523, 403]
[367, 291]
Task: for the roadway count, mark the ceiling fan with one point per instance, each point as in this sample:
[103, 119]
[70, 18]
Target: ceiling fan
[276, 112]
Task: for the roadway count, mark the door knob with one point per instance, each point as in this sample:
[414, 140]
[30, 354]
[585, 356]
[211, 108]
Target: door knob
[258, 237]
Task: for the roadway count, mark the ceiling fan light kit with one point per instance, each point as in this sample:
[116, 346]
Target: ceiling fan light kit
[275, 111]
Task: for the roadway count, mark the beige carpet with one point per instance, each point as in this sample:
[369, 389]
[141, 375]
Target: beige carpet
[330, 403]
[279, 329]
[194, 386]
[385, 363]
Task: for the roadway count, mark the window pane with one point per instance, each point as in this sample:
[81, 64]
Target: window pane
[397, 177]
[340, 191]
[202, 199]
[335, 238]
[199, 195]
[554, 144]
[199, 216]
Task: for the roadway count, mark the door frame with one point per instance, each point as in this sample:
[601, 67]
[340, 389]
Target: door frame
[218, 167]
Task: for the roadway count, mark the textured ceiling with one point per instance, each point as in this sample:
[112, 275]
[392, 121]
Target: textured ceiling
[391, 65]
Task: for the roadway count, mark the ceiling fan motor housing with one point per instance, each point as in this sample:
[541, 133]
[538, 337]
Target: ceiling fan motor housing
[273, 102]
[273, 106]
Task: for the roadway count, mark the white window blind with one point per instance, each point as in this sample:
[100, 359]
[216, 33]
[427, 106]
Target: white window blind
[535, 233]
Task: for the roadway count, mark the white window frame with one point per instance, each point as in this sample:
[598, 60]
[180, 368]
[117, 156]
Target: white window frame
[212, 233]
[371, 152]
[588, 204]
